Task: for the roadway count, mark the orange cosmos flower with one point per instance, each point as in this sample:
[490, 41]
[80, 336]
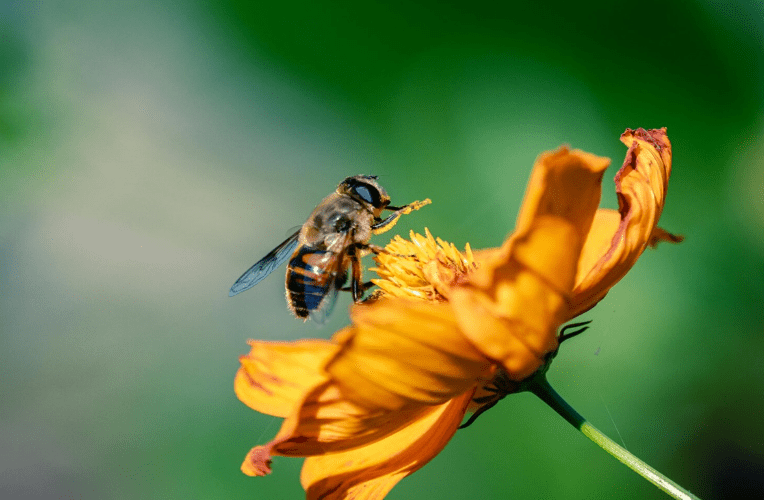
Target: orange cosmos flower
[452, 331]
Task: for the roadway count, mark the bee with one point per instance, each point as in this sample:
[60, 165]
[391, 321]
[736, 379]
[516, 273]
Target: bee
[332, 240]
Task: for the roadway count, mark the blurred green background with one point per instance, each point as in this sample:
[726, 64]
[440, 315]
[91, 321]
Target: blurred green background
[151, 153]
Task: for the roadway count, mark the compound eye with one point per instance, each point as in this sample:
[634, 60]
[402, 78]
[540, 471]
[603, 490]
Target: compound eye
[363, 188]
[367, 194]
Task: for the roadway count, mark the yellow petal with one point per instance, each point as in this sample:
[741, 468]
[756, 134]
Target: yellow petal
[370, 472]
[327, 422]
[405, 352]
[518, 297]
[599, 240]
[401, 358]
[275, 376]
[560, 201]
[617, 239]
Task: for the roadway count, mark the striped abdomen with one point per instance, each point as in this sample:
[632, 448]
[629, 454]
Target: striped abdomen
[311, 275]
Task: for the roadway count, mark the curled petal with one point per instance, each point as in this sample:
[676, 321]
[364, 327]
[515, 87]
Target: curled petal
[370, 472]
[617, 239]
[515, 302]
[275, 376]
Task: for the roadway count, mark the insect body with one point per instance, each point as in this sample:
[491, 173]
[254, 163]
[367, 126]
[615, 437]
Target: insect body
[333, 239]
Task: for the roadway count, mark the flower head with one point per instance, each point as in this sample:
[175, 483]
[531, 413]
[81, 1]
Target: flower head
[450, 331]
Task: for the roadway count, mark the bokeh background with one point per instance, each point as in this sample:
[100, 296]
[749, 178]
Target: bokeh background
[150, 153]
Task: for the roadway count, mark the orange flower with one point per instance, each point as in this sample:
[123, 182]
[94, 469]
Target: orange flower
[453, 331]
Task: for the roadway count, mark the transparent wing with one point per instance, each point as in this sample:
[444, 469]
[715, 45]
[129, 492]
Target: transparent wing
[339, 278]
[265, 266]
[320, 315]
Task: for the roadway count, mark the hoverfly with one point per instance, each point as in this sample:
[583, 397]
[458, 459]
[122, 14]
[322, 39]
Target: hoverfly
[333, 239]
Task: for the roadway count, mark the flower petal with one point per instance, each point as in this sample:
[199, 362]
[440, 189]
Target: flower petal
[371, 471]
[617, 239]
[326, 422]
[405, 352]
[400, 359]
[275, 376]
[517, 299]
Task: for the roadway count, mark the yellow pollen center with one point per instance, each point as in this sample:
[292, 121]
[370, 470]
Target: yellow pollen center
[422, 267]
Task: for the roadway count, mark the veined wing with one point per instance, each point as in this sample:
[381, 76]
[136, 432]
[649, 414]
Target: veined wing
[320, 315]
[339, 277]
[265, 266]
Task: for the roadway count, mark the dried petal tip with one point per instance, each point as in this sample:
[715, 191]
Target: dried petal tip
[423, 267]
[258, 462]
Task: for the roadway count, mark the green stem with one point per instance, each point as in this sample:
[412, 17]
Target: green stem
[539, 386]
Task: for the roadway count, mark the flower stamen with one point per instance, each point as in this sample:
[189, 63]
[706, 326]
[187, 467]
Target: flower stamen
[422, 267]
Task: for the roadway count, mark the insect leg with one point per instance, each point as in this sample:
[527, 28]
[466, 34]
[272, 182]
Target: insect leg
[387, 223]
[382, 225]
[356, 286]
[363, 286]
